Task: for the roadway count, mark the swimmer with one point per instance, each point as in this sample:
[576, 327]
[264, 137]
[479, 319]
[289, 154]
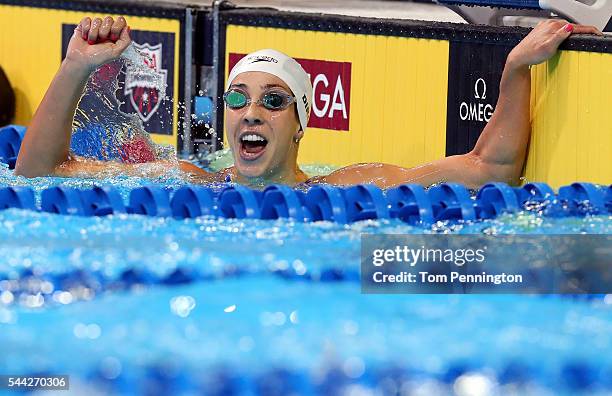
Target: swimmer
[267, 112]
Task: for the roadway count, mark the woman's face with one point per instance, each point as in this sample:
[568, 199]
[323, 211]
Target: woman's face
[262, 140]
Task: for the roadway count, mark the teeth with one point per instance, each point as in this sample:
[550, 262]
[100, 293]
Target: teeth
[253, 138]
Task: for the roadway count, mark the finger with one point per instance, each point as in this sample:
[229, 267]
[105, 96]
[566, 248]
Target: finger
[561, 34]
[92, 37]
[560, 21]
[123, 41]
[105, 28]
[554, 24]
[117, 27]
[85, 26]
[584, 29]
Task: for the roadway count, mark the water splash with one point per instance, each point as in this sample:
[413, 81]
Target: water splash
[101, 130]
[141, 66]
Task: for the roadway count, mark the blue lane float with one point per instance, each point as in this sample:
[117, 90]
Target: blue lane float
[452, 201]
[150, 201]
[17, 197]
[102, 201]
[326, 203]
[190, 202]
[10, 143]
[365, 202]
[62, 200]
[409, 203]
[535, 193]
[496, 198]
[583, 198]
[283, 202]
[239, 202]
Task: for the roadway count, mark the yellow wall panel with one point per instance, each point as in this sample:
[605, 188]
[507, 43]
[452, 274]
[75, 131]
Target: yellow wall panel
[397, 98]
[31, 48]
[571, 120]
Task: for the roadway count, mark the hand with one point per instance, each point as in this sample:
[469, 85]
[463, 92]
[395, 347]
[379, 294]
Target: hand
[97, 42]
[542, 42]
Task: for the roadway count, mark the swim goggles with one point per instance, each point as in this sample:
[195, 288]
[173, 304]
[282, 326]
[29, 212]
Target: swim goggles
[273, 100]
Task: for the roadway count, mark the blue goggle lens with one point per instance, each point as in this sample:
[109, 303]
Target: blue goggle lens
[272, 100]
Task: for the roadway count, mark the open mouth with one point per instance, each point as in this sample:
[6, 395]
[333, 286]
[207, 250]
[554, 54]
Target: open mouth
[252, 146]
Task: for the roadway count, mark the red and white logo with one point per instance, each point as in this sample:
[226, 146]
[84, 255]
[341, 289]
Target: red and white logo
[145, 84]
[331, 83]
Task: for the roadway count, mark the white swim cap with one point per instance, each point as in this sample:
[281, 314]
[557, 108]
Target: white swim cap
[284, 67]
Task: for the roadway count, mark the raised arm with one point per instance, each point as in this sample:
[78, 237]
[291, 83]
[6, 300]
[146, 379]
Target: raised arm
[502, 146]
[45, 148]
[500, 152]
[47, 141]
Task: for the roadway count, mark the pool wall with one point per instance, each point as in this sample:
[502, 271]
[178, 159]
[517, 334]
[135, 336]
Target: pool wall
[571, 121]
[406, 92]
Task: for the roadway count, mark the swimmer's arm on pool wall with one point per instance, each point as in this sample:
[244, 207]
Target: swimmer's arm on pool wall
[500, 152]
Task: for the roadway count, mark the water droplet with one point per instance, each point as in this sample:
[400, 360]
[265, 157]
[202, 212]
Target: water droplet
[353, 367]
[110, 368]
[182, 305]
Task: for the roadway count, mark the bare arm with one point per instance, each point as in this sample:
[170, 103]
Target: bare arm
[47, 141]
[83, 167]
[502, 146]
[500, 152]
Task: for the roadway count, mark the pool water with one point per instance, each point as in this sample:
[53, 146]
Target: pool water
[129, 304]
[222, 159]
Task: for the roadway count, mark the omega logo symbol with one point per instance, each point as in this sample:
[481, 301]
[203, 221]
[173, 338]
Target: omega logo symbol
[477, 111]
[484, 89]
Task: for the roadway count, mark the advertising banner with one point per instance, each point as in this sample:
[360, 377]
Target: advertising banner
[473, 88]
